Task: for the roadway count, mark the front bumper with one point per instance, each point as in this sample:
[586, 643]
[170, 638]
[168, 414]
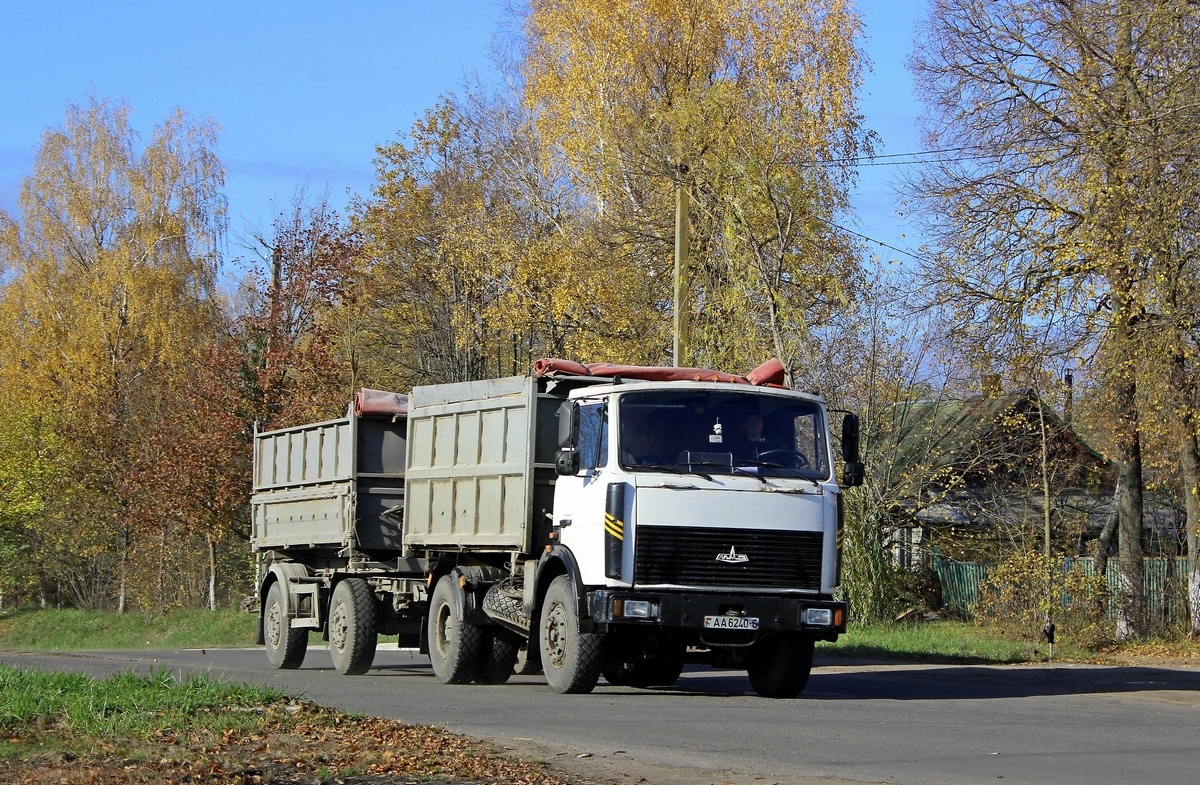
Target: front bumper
[686, 611]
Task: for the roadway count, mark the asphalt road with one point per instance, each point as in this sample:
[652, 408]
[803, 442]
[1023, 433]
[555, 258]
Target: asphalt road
[911, 725]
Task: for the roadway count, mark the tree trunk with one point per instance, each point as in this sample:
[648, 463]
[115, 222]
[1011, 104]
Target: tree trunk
[1193, 544]
[1189, 466]
[1131, 600]
[121, 570]
[212, 573]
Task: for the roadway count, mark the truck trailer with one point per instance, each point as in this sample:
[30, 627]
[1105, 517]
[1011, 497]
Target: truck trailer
[578, 521]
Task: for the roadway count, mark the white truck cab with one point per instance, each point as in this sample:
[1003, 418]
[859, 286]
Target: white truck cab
[703, 516]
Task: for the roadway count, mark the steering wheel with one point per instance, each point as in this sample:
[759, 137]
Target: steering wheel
[792, 459]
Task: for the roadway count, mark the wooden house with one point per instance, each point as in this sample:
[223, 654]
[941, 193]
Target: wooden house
[974, 477]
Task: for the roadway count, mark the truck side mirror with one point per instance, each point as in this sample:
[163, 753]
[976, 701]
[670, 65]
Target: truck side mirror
[568, 425]
[566, 460]
[853, 472]
[850, 428]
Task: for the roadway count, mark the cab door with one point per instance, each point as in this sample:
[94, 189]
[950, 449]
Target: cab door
[580, 498]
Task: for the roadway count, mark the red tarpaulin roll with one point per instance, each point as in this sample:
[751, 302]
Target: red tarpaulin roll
[769, 373]
[549, 365]
[380, 402]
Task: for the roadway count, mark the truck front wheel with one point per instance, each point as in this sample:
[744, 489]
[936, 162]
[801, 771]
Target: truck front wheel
[779, 666]
[286, 646]
[455, 647]
[571, 659]
[352, 635]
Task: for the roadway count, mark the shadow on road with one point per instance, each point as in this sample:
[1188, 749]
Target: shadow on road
[962, 682]
[841, 681]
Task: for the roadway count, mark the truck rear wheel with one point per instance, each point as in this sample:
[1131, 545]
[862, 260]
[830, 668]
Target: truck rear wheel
[779, 666]
[455, 647]
[499, 656]
[628, 666]
[286, 645]
[642, 672]
[529, 659]
[571, 659]
[352, 635]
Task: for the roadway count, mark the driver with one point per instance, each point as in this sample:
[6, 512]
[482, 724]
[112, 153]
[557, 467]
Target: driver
[750, 443]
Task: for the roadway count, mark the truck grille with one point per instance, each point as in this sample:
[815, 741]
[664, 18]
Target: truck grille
[737, 558]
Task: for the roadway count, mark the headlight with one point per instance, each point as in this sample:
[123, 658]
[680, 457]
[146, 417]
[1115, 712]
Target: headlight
[638, 609]
[817, 617]
[634, 609]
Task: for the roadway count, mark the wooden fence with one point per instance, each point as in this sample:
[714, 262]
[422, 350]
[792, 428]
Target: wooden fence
[1165, 585]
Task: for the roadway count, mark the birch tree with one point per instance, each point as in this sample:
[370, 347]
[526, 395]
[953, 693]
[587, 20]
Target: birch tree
[110, 269]
[750, 107]
[479, 259]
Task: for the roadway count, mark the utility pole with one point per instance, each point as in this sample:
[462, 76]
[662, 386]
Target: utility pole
[682, 206]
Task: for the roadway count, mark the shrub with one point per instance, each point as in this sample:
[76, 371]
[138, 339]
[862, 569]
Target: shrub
[1028, 589]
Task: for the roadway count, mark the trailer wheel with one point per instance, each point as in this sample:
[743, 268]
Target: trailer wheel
[779, 666]
[499, 656]
[571, 659]
[352, 635]
[286, 645]
[455, 647]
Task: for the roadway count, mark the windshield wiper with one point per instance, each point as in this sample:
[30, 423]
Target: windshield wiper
[796, 473]
[676, 469]
[662, 467]
[748, 473]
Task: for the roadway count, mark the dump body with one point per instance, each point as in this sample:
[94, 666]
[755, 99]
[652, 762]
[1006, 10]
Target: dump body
[480, 473]
[328, 487]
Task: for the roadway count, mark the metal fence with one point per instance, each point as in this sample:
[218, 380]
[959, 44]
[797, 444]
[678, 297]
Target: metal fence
[1165, 585]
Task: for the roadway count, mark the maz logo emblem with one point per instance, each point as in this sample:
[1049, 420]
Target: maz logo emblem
[733, 557]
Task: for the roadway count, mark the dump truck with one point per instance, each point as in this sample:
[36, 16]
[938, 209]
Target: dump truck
[580, 521]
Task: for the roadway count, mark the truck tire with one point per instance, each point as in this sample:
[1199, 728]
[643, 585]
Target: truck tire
[352, 635]
[571, 659]
[655, 672]
[622, 670]
[779, 666]
[455, 647]
[286, 645]
[499, 656]
[529, 660]
[503, 602]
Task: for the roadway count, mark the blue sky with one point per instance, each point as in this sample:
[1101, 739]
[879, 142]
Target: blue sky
[304, 90]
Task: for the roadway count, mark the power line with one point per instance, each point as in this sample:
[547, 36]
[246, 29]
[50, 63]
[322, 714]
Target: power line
[927, 156]
[880, 243]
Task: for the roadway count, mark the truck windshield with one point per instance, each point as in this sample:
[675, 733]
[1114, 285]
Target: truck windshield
[719, 432]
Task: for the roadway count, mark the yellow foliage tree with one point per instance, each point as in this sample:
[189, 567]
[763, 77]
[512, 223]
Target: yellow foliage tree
[749, 106]
[111, 265]
[477, 261]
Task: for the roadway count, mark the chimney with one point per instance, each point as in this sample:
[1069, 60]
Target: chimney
[1069, 383]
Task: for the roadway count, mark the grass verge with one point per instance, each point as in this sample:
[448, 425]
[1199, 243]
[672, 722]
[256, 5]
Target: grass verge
[75, 630]
[945, 642]
[69, 728]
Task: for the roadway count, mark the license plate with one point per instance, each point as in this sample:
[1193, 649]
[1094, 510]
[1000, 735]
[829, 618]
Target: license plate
[730, 622]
